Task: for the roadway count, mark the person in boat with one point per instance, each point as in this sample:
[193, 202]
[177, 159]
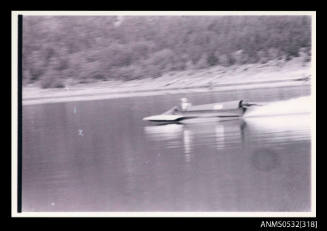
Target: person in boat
[185, 105]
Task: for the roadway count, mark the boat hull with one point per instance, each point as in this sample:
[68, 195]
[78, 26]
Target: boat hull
[227, 110]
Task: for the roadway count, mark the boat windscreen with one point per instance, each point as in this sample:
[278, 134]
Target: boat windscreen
[171, 111]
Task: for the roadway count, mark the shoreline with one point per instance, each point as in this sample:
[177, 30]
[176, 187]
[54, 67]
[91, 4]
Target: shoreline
[216, 79]
[111, 95]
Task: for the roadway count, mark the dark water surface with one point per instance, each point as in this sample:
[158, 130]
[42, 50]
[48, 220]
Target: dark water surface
[101, 156]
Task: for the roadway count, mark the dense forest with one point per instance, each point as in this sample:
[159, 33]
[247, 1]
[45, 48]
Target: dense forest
[58, 50]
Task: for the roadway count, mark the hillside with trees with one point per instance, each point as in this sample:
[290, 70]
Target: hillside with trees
[58, 50]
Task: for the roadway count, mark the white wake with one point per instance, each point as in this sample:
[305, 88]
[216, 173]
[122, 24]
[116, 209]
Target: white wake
[301, 105]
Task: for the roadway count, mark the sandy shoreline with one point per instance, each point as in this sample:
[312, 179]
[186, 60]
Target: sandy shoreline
[111, 95]
[289, 74]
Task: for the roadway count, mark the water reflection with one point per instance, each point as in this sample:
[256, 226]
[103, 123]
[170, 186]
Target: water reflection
[220, 134]
[164, 132]
[230, 134]
[187, 141]
[262, 159]
[220, 138]
[122, 163]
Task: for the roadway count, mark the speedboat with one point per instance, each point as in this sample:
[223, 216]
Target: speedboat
[222, 110]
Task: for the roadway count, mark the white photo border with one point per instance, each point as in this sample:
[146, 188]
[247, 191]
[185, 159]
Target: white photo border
[14, 111]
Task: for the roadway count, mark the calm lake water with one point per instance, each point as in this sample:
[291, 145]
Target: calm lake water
[101, 156]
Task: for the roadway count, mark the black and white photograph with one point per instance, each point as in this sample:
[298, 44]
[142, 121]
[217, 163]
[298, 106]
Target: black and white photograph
[181, 113]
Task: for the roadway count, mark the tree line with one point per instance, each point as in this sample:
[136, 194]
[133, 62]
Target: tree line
[81, 49]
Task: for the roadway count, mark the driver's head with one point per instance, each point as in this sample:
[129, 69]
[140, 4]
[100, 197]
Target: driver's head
[184, 100]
